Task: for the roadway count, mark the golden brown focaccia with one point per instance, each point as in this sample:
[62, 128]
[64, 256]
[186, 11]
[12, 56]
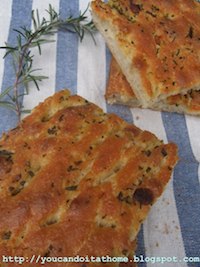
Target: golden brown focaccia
[119, 91]
[155, 42]
[77, 181]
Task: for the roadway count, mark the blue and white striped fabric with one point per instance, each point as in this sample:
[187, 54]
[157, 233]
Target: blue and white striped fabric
[173, 225]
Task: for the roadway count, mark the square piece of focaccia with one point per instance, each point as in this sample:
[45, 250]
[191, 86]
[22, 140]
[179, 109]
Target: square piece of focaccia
[119, 91]
[77, 181]
[155, 42]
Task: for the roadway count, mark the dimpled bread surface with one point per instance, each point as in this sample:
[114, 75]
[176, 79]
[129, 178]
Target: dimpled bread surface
[155, 42]
[119, 91]
[77, 181]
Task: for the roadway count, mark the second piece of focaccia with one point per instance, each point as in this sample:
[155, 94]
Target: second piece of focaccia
[119, 91]
[77, 181]
[156, 44]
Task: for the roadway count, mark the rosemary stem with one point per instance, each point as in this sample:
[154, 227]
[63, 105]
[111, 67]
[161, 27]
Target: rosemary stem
[17, 80]
[23, 58]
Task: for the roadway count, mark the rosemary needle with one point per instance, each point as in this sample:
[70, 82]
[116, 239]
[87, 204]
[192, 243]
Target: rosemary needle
[23, 58]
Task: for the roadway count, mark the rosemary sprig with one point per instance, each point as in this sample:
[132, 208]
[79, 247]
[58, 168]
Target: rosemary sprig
[22, 57]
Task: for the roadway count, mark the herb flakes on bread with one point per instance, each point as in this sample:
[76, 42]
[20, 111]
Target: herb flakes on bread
[77, 181]
[119, 91]
[156, 44]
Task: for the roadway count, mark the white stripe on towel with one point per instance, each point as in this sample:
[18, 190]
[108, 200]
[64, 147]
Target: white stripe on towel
[91, 66]
[46, 62]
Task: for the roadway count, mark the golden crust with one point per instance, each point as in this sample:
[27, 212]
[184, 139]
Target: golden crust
[156, 44]
[77, 181]
[119, 91]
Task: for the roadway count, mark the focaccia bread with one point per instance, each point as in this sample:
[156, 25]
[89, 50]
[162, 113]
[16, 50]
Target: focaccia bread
[77, 181]
[119, 91]
[156, 44]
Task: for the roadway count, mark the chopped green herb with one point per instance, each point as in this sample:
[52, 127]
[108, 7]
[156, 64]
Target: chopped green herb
[71, 188]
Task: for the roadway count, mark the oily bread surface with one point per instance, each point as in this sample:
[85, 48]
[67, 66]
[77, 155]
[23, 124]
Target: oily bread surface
[119, 91]
[77, 181]
[156, 44]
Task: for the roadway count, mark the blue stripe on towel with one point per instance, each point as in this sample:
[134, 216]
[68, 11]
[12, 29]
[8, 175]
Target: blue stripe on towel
[141, 247]
[186, 183]
[21, 16]
[125, 113]
[67, 50]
